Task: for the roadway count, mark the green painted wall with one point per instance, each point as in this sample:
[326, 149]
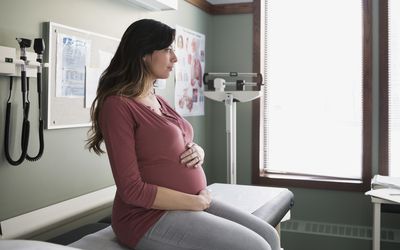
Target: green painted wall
[66, 169]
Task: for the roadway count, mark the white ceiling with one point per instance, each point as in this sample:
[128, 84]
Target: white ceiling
[228, 1]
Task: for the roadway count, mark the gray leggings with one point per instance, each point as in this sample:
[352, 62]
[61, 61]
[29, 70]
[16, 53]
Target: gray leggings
[219, 227]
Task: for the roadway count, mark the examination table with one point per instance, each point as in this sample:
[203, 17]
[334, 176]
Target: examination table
[268, 203]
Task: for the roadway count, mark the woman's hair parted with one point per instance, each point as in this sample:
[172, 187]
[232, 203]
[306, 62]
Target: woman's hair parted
[127, 75]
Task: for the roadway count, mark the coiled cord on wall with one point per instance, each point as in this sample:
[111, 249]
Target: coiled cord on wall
[41, 128]
[39, 47]
[25, 127]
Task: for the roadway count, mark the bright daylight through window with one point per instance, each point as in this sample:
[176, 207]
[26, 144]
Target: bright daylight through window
[313, 99]
[394, 86]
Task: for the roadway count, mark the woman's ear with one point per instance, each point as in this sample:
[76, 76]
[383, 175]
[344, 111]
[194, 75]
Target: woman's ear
[146, 58]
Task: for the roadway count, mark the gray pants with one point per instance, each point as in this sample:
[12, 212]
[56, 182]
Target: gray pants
[219, 227]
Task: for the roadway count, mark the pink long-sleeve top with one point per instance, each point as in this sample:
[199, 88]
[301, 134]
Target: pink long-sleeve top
[144, 151]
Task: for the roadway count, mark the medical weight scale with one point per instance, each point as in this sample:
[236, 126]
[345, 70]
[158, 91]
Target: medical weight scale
[230, 88]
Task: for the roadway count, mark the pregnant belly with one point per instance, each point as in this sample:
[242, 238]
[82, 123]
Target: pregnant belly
[176, 177]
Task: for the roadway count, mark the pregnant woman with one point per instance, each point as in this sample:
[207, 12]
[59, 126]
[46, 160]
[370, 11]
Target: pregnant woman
[161, 200]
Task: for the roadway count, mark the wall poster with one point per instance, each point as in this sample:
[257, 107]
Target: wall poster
[189, 70]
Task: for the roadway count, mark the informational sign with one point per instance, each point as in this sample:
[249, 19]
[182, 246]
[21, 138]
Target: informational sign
[189, 70]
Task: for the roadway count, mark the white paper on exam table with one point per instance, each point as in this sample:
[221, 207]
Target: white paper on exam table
[390, 194]
[380, 181]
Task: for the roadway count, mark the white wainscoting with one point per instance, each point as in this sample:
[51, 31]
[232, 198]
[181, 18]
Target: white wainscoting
[45, 219]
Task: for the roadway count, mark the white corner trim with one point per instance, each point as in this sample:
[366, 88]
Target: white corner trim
[43, 219]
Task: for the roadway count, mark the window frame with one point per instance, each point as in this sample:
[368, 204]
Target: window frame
[307, 181]
[384, 87]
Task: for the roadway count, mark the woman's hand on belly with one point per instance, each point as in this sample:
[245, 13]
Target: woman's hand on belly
[193, 156]
[169, 199]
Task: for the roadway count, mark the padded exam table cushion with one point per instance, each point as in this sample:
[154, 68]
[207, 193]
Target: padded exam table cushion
[268, 203]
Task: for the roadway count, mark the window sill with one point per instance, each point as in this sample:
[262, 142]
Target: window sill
[312, 182]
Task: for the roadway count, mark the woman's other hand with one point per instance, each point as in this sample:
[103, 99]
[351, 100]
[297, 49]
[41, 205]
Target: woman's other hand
[204, 199]
[193, 155]
[169, 199]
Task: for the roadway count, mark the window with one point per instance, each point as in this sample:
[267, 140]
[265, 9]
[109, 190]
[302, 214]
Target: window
[390, 88]
[315, 114]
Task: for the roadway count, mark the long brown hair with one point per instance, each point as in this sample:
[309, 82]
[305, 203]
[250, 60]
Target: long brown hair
[127, 74]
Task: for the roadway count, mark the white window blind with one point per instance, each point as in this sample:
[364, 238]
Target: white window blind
[394, 86]
[313, 94]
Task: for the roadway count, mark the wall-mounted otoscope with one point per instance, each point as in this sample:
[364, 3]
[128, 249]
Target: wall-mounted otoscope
[231, 88]
[23, 44]
[39, 46]
[39, 49]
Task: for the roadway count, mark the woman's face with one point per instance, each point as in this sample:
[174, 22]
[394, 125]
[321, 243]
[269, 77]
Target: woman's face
[161, 62]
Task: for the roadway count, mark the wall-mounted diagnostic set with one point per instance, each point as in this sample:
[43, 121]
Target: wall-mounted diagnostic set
[23, 65]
